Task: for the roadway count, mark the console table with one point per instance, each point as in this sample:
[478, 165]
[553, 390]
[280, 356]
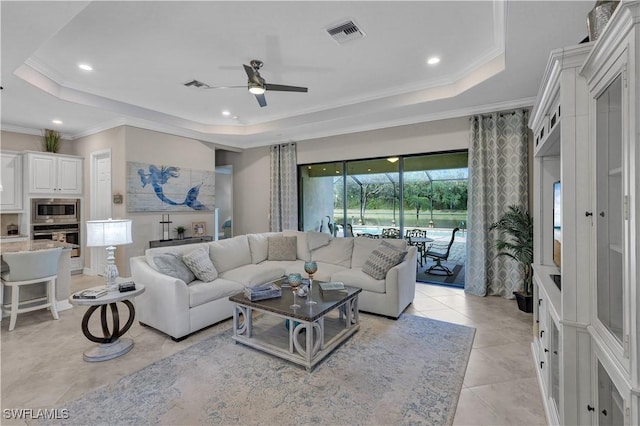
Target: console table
[179, 242]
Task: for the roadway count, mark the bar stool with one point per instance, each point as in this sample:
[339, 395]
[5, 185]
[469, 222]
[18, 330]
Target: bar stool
[30, 267]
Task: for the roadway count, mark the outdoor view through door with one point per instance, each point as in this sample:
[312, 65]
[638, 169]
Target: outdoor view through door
[422, 198]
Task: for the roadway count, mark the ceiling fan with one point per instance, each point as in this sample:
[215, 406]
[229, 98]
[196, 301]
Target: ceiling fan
[256, 84]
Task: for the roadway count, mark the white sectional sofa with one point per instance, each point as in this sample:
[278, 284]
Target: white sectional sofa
[178, 308]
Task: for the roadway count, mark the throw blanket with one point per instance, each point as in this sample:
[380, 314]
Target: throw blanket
[317, 239]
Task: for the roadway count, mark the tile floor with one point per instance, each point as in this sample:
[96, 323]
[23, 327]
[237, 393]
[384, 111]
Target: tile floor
[42, 366]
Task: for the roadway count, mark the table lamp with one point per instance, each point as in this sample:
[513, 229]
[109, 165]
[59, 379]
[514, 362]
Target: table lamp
[109, 233]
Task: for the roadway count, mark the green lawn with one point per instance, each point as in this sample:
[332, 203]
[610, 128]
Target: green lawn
[384, 217]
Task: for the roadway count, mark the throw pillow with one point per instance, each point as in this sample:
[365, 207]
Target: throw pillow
[282, 248]
[200, 264]
[171, 264]
[383, 258]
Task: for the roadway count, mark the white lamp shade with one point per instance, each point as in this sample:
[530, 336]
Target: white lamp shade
[104, 233]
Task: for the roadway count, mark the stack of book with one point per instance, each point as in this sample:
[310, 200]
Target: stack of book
[333, 287]
[92, 293]
[261, 292]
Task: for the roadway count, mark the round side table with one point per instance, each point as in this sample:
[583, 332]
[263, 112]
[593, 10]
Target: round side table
[110, 345]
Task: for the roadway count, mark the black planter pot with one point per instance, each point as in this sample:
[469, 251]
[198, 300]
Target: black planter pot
[525, 302]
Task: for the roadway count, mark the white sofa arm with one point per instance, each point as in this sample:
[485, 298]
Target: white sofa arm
[164, 305]
[400, 282]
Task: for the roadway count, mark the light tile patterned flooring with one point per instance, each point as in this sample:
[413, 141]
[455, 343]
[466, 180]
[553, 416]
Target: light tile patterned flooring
[41, 361]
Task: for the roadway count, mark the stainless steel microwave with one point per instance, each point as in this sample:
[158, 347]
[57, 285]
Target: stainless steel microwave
[55, 210]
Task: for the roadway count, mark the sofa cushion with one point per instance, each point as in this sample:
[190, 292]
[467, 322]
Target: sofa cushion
[302, 251]
[259, 246]
[230, 253]
[171, 264]
[362, 248]
[356, 278]
[325, 271]
[337, 252]
[180, 250]
[251, 274]
[200, 264]
[203, 292]
[282, 248]
[383, 258]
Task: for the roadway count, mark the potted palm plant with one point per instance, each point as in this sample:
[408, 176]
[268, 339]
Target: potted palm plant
[51, 140]
[516, 226]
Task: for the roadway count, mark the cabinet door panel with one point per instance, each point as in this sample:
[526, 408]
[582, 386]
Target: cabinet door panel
[11, 194]
[43, 174]
[69, 175]
[608, 217]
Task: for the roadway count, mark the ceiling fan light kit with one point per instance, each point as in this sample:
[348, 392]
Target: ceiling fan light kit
[256, 90]
[256, 84]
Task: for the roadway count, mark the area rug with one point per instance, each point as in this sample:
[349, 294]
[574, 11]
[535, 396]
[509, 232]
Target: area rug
[457, 278]
[408, 371]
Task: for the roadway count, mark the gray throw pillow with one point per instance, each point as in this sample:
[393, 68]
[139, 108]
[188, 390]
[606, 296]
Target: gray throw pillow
[171, 264]
[282, 248]
[200, 264]
[383, 258]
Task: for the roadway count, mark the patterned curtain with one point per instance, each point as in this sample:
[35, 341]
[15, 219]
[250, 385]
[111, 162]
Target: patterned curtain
[284, 188]
[498, 177]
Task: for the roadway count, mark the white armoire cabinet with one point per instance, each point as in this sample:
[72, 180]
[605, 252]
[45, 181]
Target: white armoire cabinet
[612, 71]
[586, 125]
[561, 347]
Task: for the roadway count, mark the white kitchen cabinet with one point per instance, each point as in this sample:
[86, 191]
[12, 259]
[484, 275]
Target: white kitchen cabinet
[54, 174]
[11, 194]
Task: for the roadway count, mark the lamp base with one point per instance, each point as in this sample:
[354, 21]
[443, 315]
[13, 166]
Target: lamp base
[111, 270]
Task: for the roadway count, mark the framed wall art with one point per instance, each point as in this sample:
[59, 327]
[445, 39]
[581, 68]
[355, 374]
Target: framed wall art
[160, 188]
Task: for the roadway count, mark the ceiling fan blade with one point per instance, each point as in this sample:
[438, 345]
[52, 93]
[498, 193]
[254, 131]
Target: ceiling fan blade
[224, 87]
[285, 88]
[254, 77]
[261, 100]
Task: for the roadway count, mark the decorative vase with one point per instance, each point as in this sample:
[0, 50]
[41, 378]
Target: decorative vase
[598, 18]
[310, 267]
[295, 278]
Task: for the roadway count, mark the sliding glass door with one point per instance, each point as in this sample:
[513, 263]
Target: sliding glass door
[385, 197]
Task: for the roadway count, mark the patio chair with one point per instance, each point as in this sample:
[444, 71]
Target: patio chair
[349, 230]
[367, 235]
[390, 233]
[440, 252]
[420, 245]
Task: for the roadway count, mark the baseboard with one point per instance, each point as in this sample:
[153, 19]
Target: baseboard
[63, 305]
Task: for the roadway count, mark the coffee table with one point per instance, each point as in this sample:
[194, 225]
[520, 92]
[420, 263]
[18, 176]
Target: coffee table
[312, 331]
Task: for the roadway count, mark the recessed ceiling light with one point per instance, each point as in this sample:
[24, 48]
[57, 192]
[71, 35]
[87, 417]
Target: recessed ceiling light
[56, 121]
[85, 67]
[433, 60]
[226, 113]
[392, 159]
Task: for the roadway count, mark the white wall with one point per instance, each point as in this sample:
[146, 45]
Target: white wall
[113, 140]
[251, 189]
[151, 147]
[251, 168]
[11, 141]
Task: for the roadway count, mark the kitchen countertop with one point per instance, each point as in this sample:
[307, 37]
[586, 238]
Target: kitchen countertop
[33, 245]
[12, 237]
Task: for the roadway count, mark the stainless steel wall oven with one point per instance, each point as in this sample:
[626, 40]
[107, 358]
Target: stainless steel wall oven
[55, 210]
[56, 219]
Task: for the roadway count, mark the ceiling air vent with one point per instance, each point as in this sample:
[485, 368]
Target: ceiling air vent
[195, 83]
[345, 31]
